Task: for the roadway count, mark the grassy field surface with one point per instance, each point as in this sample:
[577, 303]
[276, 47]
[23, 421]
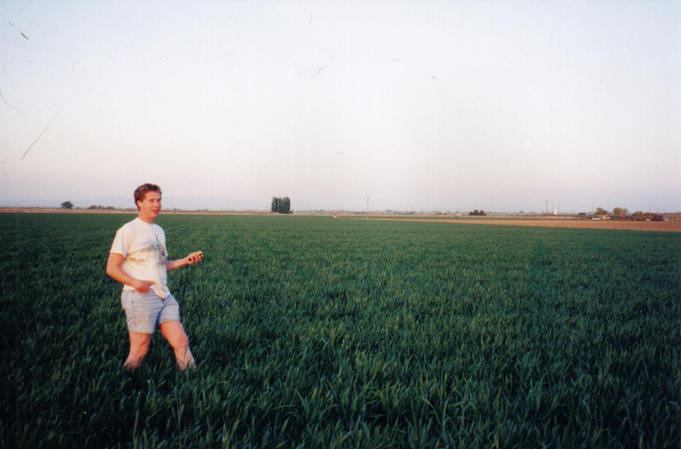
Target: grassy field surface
[317, 333]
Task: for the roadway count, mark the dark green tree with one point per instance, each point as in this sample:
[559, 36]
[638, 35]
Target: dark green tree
[67, 205]
[281, 205]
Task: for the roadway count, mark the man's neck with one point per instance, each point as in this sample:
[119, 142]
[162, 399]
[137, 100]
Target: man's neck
[145, 219]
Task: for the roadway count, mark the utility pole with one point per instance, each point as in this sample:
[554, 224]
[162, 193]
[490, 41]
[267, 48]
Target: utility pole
[367, 207]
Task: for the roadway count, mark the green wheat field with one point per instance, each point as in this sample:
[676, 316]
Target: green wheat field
[314, 332]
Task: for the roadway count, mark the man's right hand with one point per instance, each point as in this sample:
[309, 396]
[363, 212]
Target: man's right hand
[142, 286]
[114, 270]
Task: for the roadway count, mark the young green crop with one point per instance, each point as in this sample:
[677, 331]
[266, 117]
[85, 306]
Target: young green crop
[314, 332]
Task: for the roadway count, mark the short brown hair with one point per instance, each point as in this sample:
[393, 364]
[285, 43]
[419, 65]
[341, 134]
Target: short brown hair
[143, 189]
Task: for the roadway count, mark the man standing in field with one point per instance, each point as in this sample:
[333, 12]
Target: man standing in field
[139, 260]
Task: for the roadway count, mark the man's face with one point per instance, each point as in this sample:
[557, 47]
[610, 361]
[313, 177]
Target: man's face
[150, 207]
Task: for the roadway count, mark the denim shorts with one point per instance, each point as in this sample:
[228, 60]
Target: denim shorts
[145, 311]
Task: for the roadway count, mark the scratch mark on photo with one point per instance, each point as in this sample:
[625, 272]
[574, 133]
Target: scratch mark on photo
[324, 67]
[20, 32]
[9, 105]
[38, 138]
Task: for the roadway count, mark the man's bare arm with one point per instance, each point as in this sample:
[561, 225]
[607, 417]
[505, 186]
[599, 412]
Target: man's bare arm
[115, 271]
[191, 259]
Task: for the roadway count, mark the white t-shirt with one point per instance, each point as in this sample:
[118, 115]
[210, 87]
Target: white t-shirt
[144, 247]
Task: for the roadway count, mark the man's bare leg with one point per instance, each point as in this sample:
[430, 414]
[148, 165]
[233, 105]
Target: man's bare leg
[139, 346]
[177, 338]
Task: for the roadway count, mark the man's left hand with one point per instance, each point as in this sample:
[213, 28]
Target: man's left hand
[194, 258]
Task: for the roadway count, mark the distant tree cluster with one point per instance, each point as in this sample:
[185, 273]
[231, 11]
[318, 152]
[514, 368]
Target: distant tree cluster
[621, 213]
[100, 207]
[646, 216]
[477, 212]
[67, 205]
[281, 205]
[618, 212]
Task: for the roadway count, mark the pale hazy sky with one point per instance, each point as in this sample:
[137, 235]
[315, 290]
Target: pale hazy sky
[419, 105]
